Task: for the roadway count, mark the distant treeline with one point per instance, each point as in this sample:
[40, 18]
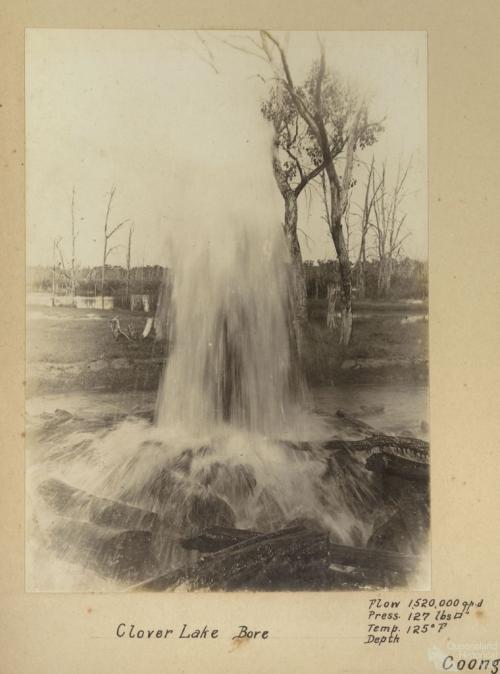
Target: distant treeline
[409, 279]
[88, 280]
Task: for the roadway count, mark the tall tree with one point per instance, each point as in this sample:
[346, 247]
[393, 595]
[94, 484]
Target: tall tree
[129, 255]
[388, 224]
[107, 236]
[372, 190]
[74, 234]
[62, 271]
[70, 276]
[293, 171]
[54, 272]
[336, 119]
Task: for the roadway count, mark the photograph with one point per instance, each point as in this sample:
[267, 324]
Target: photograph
[227, 311]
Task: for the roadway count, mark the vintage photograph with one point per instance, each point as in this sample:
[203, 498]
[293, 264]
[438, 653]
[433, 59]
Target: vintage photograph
[226, 311]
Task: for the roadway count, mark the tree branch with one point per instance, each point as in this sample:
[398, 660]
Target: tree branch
[110, 250]
[288, 81]
[308, 177]
[111, 195]
[108, 236]
[297, 163]
[210, 60]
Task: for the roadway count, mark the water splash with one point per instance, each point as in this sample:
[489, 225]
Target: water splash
[91, 486]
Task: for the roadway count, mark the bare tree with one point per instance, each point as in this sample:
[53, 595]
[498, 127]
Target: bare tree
[59, 268]
[74, 234]
[372, 190]
[70, 275]
[62, 263]
[388, 224]
[53, 272]
[107, 236]
[332, 297]
[206, 54]
[129, 251]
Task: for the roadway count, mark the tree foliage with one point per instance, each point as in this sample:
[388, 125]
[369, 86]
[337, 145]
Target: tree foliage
[300, 152]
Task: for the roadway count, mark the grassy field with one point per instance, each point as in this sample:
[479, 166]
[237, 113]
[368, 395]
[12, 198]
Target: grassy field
[71, 349]
[68, 335]
[74, 349]
[389, 341]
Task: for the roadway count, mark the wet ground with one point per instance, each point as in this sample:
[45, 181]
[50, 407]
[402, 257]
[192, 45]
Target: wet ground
[81, 370]
[391, 408]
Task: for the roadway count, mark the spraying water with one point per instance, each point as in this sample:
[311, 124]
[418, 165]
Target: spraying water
[228, 321]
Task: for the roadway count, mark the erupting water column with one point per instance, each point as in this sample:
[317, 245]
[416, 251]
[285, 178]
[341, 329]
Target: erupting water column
[228, 325]
[228, 312]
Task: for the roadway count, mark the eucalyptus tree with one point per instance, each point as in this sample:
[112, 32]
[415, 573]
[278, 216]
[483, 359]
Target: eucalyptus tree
[319, 125]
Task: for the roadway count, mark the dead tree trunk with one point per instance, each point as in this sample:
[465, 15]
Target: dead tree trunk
[129, 250]
[54, 273]
[73, 246]
[107, 236]
[365, 224]
[103, 271]
[332, 295]
[388, 227]
[362, 274]
[384, 276]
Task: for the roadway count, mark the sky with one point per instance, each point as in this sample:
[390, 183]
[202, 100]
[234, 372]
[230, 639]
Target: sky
[179, 133]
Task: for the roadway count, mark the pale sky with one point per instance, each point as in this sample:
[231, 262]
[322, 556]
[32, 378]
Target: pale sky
[143, 111]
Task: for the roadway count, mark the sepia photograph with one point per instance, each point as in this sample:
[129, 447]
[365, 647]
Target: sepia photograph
[226, 311]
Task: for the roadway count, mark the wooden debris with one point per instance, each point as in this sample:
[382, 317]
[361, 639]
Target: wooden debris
[409, 469]
[412, 449]
[217, 538]
[295, 558]
[409, 448]
[117, 331]
[80, 505]
[148, 328]
[242, 565]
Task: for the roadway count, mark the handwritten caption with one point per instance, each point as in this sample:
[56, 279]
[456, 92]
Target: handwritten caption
[132, 631]
[391, 620]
